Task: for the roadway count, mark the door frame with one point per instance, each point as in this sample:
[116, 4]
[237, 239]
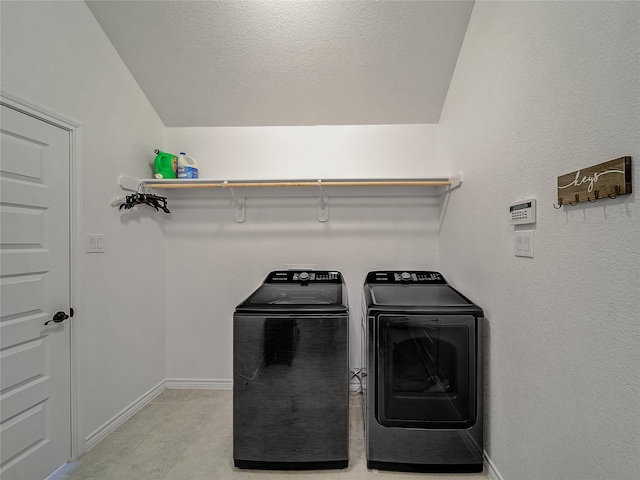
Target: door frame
[75, 130]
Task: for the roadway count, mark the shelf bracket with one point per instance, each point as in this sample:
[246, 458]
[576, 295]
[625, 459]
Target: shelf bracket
[239, 201]
[456, 181]
[323, 205]
[129, 183]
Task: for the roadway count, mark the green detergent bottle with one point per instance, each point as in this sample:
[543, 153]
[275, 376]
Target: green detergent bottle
[166, 164]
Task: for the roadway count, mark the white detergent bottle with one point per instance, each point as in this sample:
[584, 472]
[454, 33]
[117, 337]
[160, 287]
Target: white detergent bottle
[187, 166]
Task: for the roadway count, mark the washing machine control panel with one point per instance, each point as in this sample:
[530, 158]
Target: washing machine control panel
[410, 276]
[311, 276]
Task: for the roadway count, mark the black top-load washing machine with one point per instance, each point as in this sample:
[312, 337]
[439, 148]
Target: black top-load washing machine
[291, 373]
[423, 374]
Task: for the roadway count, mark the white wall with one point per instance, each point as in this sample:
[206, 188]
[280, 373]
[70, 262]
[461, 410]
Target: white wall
[213, 263]
[542, 89]
[347, 151]
[55, 55]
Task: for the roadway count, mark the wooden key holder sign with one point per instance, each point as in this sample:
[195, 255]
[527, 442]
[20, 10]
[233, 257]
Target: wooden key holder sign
[609, 179]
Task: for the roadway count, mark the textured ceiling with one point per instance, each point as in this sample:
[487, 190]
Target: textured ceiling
[286, 63]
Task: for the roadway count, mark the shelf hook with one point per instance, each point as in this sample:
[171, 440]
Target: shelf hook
[239, 201]
[323, 206]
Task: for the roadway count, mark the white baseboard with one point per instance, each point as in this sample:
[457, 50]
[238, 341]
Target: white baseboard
[185, 383]
[176, 383]
[221, 384]
[111, 425]
[199, 383]
[490, 468]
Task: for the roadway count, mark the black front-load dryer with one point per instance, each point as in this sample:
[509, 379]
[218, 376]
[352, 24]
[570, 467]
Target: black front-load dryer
[291, 373]
[423, 375]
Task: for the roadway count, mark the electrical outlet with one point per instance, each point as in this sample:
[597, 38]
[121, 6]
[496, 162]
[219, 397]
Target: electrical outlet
[95, 243]
[524, 243]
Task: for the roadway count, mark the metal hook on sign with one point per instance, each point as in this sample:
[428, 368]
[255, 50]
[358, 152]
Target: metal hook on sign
[596, 195]
[558, 206]
[577, 201]
[617, 190]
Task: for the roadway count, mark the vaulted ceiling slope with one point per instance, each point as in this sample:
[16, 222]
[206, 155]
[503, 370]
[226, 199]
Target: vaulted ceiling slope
[286, 63]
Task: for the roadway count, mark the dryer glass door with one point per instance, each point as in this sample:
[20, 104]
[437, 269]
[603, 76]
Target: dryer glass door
[426, 371]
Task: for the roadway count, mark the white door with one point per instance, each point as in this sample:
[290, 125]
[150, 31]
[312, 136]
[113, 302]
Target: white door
[35, 382]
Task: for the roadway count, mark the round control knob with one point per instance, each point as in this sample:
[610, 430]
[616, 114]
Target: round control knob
[304, 276]
[405, 276]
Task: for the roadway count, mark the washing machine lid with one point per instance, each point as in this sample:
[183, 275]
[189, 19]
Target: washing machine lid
[417, 295]
[298, 292]
[416, 290]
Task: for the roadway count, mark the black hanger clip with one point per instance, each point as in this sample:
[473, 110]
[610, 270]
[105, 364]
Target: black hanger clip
[140, 198]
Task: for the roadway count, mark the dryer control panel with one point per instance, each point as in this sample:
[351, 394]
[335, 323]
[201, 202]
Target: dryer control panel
[298, 276]
[409, 276]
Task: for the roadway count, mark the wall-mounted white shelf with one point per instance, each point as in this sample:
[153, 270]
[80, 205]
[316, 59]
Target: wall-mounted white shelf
[236, 187]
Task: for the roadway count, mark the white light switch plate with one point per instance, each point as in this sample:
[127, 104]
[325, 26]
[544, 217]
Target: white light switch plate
[524, 243]
[95, 243]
